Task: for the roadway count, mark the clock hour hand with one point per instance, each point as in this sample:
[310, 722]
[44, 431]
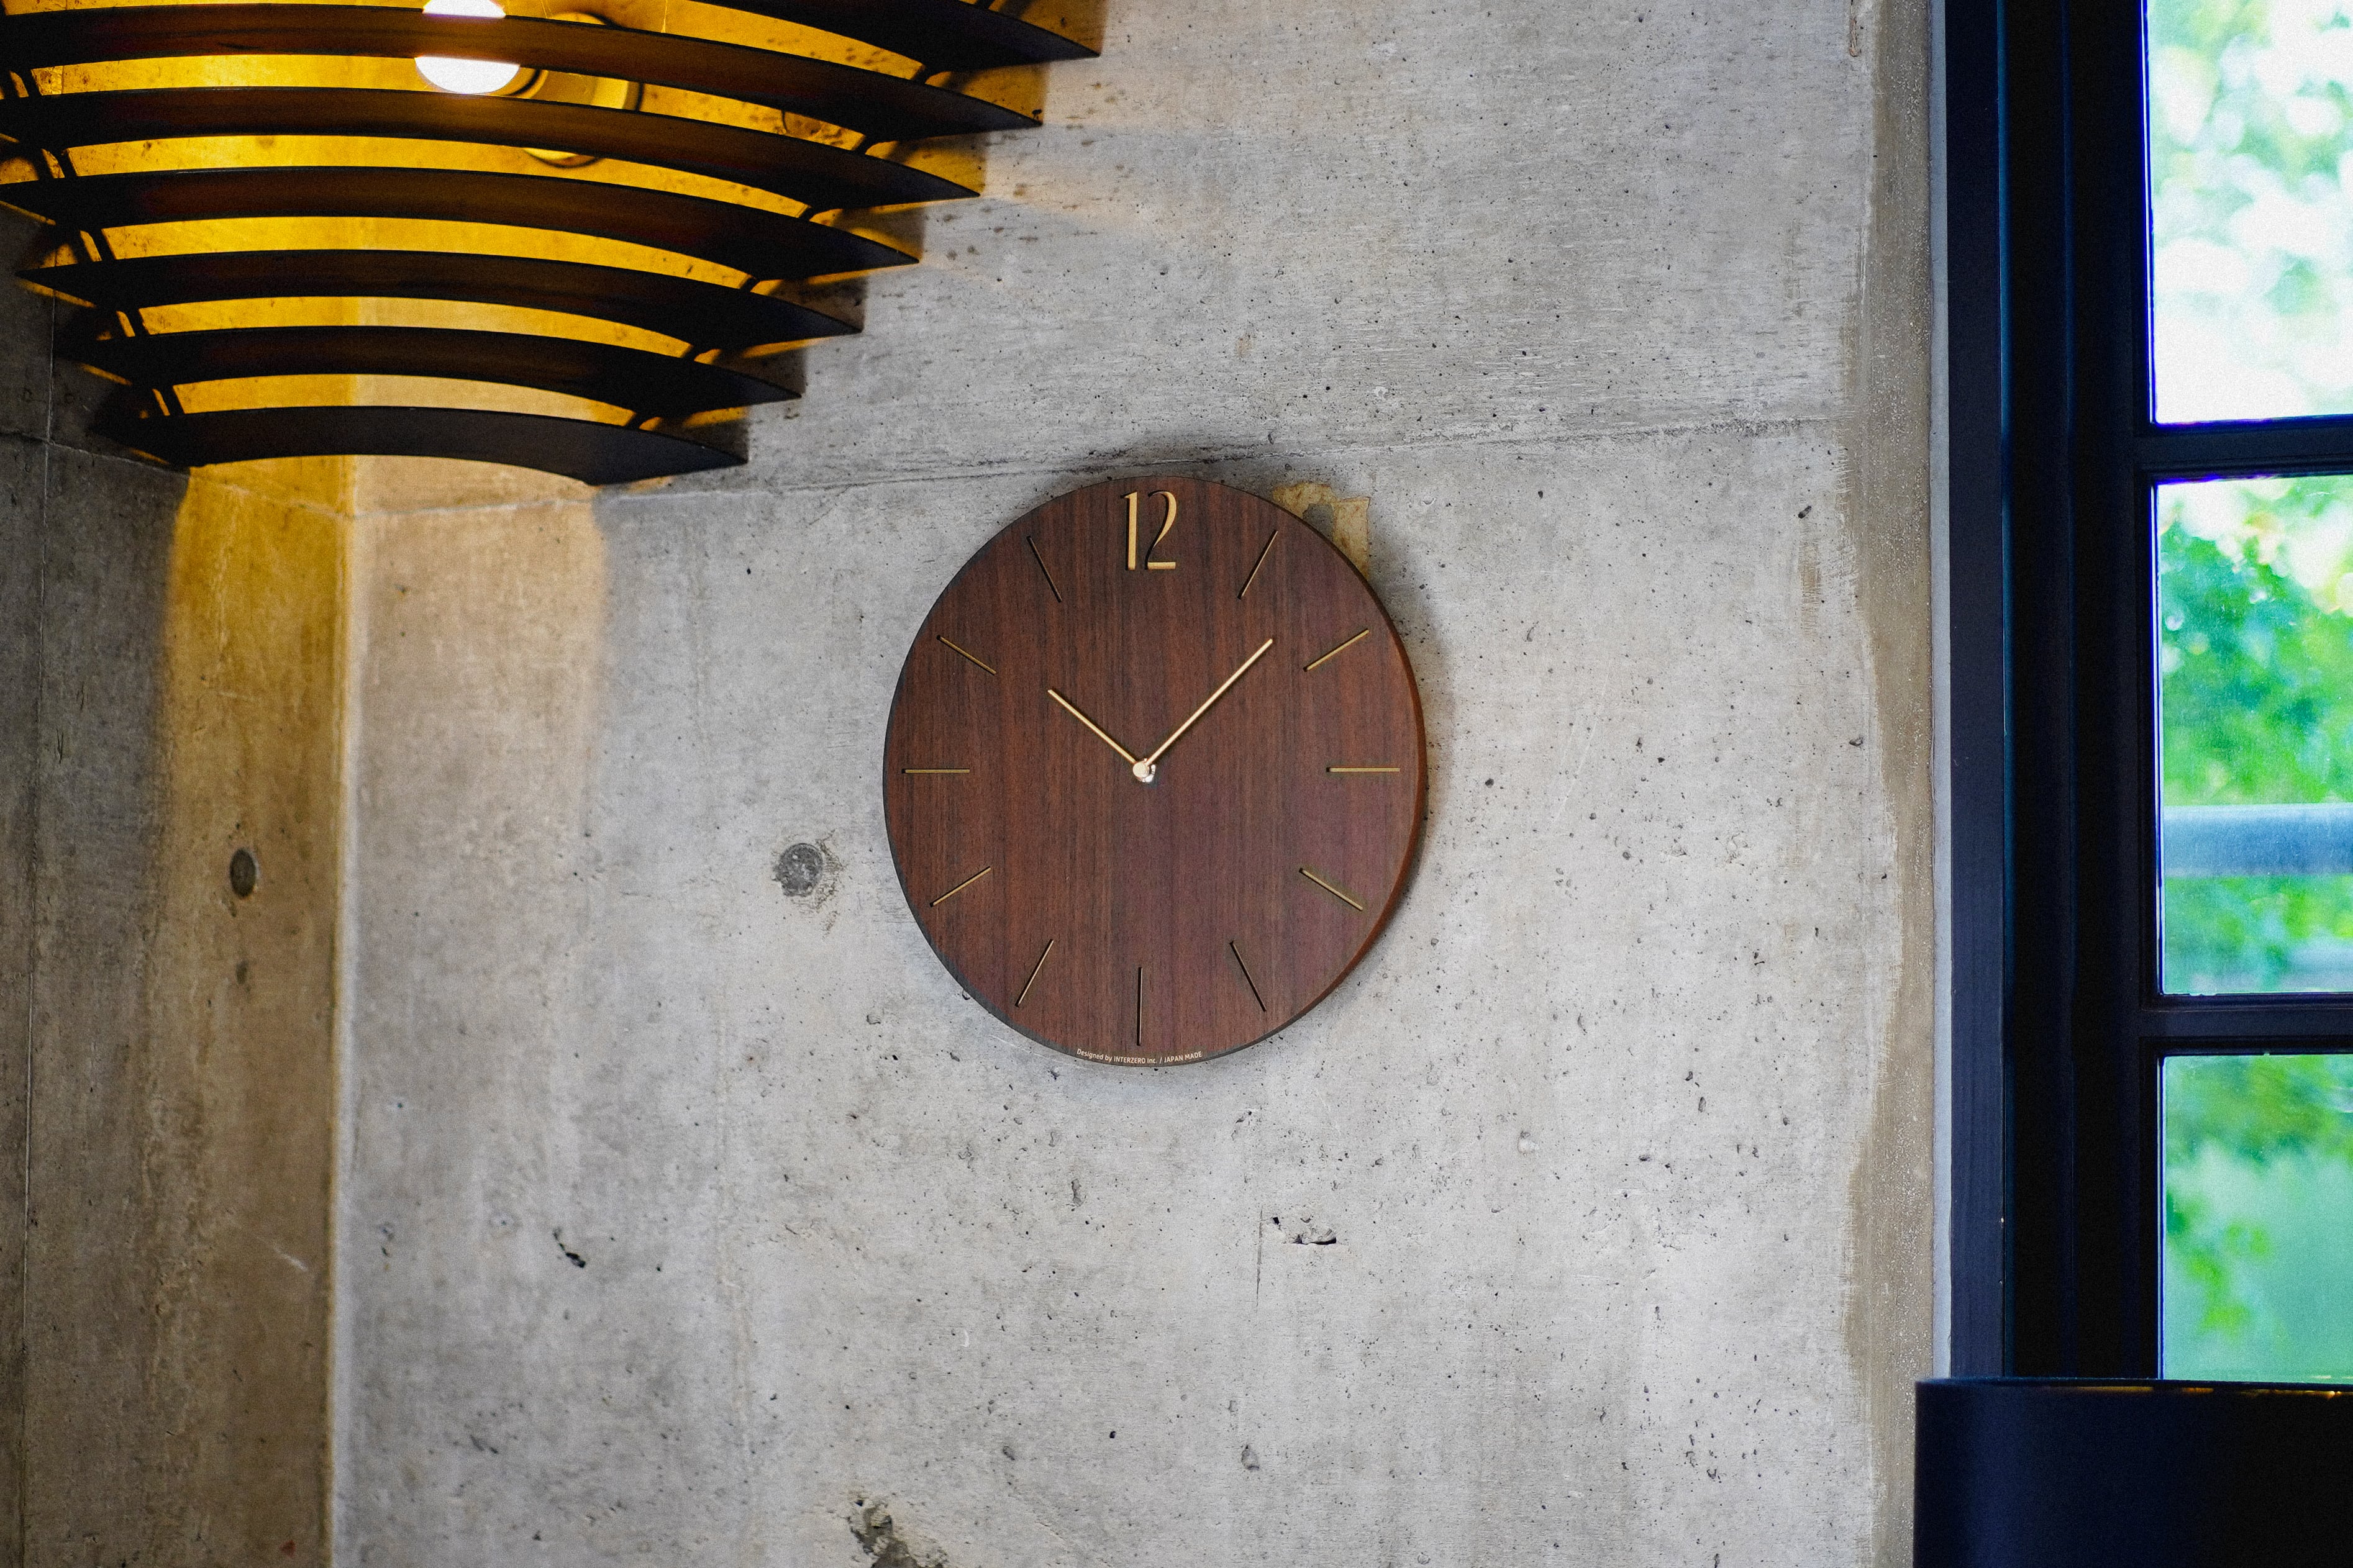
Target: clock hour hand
[1149, 768]
[1125, 754]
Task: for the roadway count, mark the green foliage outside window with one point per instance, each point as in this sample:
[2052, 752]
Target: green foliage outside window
[2258, 1202]
[2251, 131]
[2255, 679]
[2250, 120]
[2256, 668]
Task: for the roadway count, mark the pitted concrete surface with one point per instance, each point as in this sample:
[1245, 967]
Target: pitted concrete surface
[689, 1217]
[686, 1213]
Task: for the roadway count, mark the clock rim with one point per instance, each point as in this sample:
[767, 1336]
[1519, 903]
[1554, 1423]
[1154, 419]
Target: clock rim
[1407, 866]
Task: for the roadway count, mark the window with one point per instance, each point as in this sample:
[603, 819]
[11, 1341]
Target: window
[2150, 265]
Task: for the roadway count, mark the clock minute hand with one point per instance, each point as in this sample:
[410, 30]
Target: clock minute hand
[1148, 767]
[1125, 754]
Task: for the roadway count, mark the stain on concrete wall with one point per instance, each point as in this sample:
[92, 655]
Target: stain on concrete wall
[1890, 1194]
[1346, 520]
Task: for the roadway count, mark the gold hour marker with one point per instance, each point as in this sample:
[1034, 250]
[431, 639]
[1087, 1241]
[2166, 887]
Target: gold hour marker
[1033, 974]
[975, 658]
[976, 877]
[1235, 948]
[932, 772]
[1342, 648]
[1040, 560]
[1139, 1007]
[1360, 770]
[1258, 563]
[1328, 888]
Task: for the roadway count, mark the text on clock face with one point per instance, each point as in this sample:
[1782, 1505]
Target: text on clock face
[1167, 525]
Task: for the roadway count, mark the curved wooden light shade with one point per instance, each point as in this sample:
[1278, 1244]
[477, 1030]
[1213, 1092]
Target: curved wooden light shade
[645, 383]
[763, 243]
[140, 186]
[696, 312]
[882, 107]
[821, 177]
[945, 35]
[577, 449]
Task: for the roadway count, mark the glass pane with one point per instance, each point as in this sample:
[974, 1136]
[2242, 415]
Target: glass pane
[2254, 651]
[2253, 245]
[2258, 1217]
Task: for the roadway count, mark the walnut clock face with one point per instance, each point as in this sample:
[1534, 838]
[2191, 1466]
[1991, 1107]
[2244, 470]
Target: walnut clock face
[1155, 771]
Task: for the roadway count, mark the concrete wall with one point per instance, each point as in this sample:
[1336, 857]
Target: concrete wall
[169, 691]
[680, 1219]
[23, 404]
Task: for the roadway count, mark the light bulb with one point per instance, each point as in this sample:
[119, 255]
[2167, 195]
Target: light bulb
[474, 76]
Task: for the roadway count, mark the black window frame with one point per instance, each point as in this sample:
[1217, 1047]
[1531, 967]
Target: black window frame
[2058, 1026]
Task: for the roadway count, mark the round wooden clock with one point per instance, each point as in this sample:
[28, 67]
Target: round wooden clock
[1154, 772]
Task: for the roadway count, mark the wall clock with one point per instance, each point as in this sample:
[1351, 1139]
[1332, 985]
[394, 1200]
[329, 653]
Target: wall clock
[1153, 774]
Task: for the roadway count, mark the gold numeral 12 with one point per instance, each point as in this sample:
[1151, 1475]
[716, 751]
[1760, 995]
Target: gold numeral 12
[1167, 522]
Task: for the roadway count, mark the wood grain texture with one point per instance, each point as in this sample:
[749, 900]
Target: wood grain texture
[1182, 918]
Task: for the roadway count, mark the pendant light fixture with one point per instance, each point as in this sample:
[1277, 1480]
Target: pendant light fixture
[565, 241]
